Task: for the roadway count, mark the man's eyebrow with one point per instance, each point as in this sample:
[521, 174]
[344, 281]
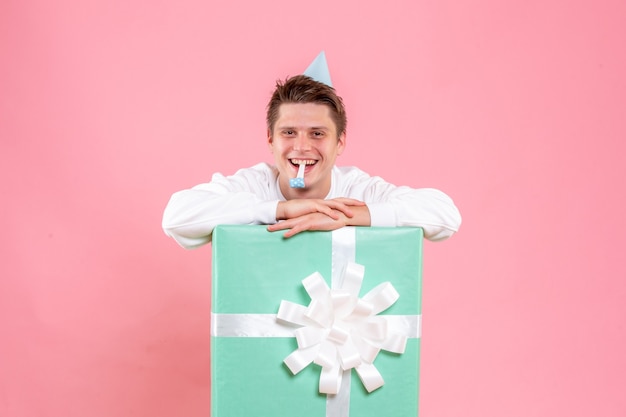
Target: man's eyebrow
[324, 128]
[305, 128]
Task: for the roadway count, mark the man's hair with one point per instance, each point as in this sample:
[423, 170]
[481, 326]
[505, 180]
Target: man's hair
[304, 89]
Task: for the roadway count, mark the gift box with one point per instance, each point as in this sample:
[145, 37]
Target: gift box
[254, 271]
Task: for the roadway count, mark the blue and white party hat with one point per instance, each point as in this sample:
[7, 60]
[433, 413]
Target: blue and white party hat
[318, 70]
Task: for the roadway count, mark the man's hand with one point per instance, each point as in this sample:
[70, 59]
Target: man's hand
[358, 215]
[299, 207]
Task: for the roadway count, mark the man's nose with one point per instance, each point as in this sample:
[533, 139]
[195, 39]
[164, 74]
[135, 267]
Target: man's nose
[301, 142]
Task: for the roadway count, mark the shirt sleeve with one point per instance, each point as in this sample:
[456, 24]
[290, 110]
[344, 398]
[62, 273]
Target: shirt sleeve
[244, 198]
[401, 206]
[428, 208]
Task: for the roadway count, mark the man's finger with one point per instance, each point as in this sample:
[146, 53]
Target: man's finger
[349, 201]
[329, 212]
[337, 206]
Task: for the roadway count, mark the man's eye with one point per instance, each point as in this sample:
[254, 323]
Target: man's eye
[318, 134]
[288, 132]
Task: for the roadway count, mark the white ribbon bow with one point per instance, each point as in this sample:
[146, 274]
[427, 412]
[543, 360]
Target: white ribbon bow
[341, 331]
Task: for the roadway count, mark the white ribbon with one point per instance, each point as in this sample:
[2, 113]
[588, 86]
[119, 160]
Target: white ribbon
[340, 331]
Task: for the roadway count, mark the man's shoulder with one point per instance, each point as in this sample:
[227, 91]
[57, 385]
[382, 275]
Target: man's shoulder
[261, 169]
[349, 170]
[354, 178]
[261, 173]
[350, 173]
[259, 179]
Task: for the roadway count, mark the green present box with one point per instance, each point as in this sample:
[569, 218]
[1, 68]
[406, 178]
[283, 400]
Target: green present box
[254, 270]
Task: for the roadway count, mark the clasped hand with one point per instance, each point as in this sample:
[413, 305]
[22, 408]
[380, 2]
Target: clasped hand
[314, 214]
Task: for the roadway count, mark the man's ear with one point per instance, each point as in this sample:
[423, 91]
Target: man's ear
[341, 143]
[269, 139]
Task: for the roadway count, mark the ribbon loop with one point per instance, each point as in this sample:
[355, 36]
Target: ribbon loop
[327, 355]
[330, 380]
[369, 376]
[292, 313]
[315, 286]
[308, 336]
[349, 356]
[353, 278]
[301, 358]
[382, 297]
[374, 327]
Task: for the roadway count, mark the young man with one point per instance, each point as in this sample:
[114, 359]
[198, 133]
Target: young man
[306, 125]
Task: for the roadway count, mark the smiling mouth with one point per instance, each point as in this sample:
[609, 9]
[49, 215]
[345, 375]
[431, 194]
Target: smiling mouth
[297, 162]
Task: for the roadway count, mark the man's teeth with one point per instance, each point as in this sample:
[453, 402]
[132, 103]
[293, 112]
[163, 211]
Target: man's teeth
[303, 161]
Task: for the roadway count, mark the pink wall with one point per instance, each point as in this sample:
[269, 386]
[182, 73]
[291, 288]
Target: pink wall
[517, 109]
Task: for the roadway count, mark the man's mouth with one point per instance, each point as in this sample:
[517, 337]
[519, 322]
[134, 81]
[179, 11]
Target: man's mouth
[297, 162]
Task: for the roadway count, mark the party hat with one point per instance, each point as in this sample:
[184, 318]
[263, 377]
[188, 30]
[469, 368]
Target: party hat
[318, 70]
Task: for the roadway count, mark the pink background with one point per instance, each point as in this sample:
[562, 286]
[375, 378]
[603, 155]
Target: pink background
[516, 109]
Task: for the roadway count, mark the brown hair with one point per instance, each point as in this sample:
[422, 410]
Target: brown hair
[304, 89]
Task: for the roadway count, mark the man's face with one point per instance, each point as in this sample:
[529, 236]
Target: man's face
[305, 132]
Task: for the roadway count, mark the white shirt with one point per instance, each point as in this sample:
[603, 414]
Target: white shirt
[251, 196]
